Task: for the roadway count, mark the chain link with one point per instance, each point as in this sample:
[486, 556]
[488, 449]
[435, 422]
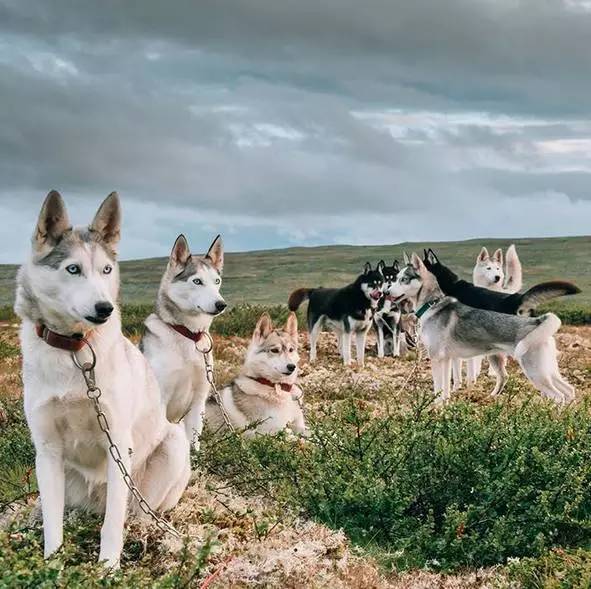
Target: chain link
[93, 392]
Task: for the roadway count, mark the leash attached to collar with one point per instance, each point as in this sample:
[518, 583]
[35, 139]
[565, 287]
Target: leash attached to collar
[425, 307]
[194, 336]
[69, 343]
[269, 383]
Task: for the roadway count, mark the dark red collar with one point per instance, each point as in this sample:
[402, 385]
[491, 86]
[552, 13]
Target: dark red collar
[194, 336]
[70, 343]
[269, 383]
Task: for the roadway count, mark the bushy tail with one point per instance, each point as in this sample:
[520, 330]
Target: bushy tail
[297, 297]
[543, 292]
[513, 272]
[548, 325]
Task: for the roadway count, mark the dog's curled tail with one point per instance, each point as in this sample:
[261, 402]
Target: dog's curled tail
[543, 292]
[297, 297]
[513, 271]
[548, 325]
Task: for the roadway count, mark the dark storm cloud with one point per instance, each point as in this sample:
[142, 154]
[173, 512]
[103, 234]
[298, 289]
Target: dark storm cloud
[283, 122]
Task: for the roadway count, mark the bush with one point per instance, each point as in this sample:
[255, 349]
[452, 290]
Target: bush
[467, 485]
[569, 314]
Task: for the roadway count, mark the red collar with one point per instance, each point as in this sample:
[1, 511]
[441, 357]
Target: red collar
[70, 343]
[194, 336]
[284, 385]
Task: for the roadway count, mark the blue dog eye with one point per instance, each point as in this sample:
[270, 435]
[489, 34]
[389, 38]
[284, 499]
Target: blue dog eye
[73, 269]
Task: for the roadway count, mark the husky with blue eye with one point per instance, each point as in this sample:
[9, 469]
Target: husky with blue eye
[67, 299]
[344, 310]
[188, 301]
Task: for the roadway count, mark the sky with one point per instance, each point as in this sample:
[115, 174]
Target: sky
[297, 122]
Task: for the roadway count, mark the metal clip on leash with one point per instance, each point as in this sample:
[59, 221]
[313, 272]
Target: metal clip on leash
[93, 392]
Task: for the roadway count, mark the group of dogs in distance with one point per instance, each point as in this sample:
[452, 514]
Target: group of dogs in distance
[83, 378]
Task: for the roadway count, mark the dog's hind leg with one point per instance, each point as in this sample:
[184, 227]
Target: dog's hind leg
[457, 368]
[498, 363]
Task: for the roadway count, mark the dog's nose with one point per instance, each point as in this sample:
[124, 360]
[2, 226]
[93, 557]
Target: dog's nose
[220, 306]
[497, 278]
[103, 309]
[291, 367]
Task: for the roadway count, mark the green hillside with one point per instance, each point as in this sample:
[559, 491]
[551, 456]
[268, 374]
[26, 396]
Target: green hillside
[265, 277]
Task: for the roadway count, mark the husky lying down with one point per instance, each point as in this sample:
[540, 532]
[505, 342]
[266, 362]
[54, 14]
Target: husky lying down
[265, 393]
[67, 291]
[450, 329]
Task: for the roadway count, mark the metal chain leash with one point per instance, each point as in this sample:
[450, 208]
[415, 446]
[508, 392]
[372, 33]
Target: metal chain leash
[93, 392]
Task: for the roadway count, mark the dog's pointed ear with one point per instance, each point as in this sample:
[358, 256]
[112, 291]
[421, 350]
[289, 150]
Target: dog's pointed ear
[367, 268]
[396, 266]
[107, 221]
[432, 257]
[180, 254]
[291, 326]
[53, 222]
[381, 265]
[405, 258]
[498, 256]
[483, 255]
[216, 254]
[263, 327]
[416, 262]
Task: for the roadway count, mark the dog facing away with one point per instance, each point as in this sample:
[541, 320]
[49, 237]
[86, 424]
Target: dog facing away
[489, 271]
[483, 298]
[266, 392]
[67, 291]
[344, 310]
[450, 329]
[188, 301]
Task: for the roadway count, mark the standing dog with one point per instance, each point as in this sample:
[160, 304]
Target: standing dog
[265, 393]
[188, 300]
[344, 310]
[388, 314]
[66, 296]
[450, 329]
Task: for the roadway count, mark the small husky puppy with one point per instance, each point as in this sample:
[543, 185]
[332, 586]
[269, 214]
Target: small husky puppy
[67, 299]
[266, 392]
[489, 272]
[450, 329]
[344, 310]
[388, 314]
[188, 301]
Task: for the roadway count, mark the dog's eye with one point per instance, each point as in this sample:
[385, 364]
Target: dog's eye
[108, 269]
[197, 281]
[290, 350]
[217, 281]
[73, 269]
[275, 350]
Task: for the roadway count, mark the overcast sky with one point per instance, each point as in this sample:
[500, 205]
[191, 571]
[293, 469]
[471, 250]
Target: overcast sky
[297, 122]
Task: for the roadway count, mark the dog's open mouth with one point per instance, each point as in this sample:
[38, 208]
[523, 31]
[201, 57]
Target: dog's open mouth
[375, 294]
[96, 320]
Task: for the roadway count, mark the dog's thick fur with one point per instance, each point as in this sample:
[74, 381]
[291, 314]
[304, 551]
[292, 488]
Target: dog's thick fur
[483, 298]
[272, 355]
[71, 274]
[189, 295]
[450, 329]
[344, 310]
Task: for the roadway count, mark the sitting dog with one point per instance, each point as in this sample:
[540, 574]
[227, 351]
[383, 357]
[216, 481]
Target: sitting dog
[344, 310]
[450, 329]
[188, 301]
[265, 394]
[66, 297]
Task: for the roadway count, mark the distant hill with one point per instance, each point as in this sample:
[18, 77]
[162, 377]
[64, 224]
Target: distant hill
[267, 277]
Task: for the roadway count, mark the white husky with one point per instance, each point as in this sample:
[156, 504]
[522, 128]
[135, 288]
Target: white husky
[67, 291]
[188, 300]
[489, 272]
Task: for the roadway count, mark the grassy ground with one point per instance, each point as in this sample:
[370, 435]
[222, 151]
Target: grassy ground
[267, 277]
[388, 493]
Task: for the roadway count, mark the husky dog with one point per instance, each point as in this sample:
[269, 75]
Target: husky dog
[483, 298]
[266, 392]
[489, 273]
[66, 296]
[188, 300]
[344, 310]
[450, 329]
[388, 314]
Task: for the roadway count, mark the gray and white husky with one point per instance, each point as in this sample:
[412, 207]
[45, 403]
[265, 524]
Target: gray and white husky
[451, 330]
[188, 300]
[266, 391]
[66, 296]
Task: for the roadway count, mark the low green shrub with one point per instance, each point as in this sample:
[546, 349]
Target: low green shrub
[569, 313]
[466, 485]
[7, 313]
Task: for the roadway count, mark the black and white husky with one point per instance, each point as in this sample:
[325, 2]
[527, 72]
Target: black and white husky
[388, 313]
[344, 310]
